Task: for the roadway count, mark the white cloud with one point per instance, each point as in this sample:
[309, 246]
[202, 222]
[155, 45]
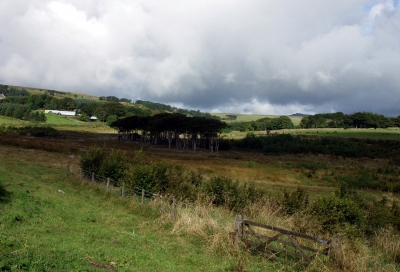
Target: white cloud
[256, 55]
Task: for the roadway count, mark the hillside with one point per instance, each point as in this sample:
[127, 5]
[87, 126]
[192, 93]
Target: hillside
[152, 106]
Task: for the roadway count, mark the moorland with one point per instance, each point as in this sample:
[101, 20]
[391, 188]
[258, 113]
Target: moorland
[320, 181]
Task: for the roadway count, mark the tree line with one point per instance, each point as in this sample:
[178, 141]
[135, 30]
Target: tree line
[333, 146]
[355, 120]
[21, 112]
[171, 129]
[4, 89]
[168, 108]
[263, 124]
[115, 99]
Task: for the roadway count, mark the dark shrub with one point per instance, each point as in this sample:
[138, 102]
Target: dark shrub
[229, 193]
[335, 212]
[111, 165]
[294, 201]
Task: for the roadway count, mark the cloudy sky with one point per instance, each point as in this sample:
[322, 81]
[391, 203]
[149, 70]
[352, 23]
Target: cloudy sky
[254, 56]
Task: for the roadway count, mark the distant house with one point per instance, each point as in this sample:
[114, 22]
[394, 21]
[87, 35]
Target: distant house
[64, 113]
[2, 96]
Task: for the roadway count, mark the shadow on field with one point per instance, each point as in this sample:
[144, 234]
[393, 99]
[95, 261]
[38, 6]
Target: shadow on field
[4, 194]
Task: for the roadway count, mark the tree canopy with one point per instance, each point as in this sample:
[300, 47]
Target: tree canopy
[166, 128]
[341, 120]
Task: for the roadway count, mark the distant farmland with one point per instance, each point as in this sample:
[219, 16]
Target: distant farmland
[253, 117]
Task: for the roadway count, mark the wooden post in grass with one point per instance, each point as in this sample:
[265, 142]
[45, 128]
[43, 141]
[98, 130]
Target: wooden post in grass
[68, 172]
[92, 176]
[108, 185]
[142, 196]
[239, 228]
[123, 189]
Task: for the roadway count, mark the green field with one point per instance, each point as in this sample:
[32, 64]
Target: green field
[391, 134]
[253, 117]
[62, 123]
[11, 121]
[83, 229]
[54, 119]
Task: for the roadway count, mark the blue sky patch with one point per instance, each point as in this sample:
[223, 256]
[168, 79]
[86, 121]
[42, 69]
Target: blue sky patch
[367, 7]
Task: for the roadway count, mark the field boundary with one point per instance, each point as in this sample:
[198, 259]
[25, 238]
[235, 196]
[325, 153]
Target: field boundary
[281, 244]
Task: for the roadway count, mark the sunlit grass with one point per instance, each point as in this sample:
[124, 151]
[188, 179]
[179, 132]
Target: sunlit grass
[82, 228]
[253, 117]
[390, 134]
[11, 121]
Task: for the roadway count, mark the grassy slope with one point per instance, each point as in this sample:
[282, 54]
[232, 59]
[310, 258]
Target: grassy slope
[67, 94]
[253, 117]
[62, 123]
[42, 229]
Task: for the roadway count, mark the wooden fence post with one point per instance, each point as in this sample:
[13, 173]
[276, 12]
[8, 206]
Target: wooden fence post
[92, 176]
[142, 196]
[239, 228]
[68, 171]
[123, 189]
[108, 185]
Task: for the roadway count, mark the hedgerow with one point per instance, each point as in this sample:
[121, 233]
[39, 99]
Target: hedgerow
[341, 211]
[335, 146]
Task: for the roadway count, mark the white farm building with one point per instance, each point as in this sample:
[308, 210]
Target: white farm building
[58, 112]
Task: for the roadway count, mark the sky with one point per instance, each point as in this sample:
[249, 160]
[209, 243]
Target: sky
[263, 57]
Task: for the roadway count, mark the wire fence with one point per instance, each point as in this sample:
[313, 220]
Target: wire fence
[113, 187]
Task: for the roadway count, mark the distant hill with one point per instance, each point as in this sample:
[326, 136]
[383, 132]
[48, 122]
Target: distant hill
[152, 107]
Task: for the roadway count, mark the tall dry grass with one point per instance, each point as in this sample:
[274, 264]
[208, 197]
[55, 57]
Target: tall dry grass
[215, 227]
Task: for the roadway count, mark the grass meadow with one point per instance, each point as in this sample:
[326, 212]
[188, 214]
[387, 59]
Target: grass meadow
[84, 229]
[389, 134]
[253, 117]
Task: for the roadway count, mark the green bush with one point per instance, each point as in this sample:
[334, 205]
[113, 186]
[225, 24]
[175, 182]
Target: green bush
[250, 164]
[36, 131]
[111, 165]
[230, 193]
[152, 177]
[37, 117]
[294, 201]
[111, 119]
[91, 161]
[184, 185]
[381, 215]
[114, 165]
[335, 213]
[83, 117]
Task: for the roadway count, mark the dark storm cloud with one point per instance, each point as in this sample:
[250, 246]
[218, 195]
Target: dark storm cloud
[272, 57]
